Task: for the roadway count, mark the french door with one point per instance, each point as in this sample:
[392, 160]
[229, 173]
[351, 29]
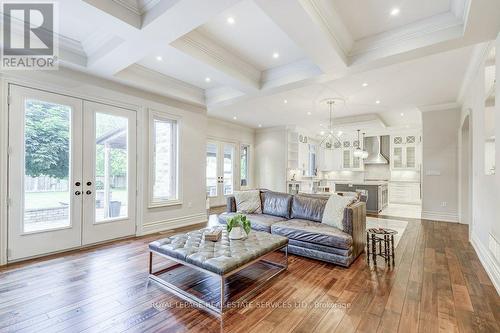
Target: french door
[71, 173]
[221, 166]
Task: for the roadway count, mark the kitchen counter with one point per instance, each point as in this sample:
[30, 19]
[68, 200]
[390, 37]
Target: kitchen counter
[364, 182]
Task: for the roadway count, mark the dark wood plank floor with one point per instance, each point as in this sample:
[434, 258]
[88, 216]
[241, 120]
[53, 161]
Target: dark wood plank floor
[438, 284]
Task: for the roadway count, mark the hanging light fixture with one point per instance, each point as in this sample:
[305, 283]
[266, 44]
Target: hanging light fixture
[358, 152]
[328, 137]
[365, 153]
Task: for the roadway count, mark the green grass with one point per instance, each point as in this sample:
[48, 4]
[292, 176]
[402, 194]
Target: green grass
[35, 200]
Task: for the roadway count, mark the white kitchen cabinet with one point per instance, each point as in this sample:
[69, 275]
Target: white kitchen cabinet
[349, 161]
[405, 152]
[404, 193]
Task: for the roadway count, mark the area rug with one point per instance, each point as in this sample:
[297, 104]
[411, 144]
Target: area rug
[399, 226]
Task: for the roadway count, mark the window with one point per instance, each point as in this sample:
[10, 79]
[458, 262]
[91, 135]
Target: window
[244, 165]
[164, 159]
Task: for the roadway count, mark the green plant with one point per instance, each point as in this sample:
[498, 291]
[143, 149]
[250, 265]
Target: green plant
[239, 220]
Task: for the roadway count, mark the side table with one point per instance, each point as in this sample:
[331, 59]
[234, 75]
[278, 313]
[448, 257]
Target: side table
[380, 242]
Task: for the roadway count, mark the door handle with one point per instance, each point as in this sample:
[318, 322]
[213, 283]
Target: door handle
[88, 192]
[77, 184]
[89, 183]
[78, 193]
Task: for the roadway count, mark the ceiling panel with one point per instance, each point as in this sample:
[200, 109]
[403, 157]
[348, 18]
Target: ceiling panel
[365, 18]
[253, 36]
[174, 63]
[400, 88]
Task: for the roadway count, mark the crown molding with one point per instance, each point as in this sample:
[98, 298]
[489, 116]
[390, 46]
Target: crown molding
[133, 6]
[145, 78]
[440, 107]
[417, 30]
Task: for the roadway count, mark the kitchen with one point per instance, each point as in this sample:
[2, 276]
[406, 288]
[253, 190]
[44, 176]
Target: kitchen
[385, 166]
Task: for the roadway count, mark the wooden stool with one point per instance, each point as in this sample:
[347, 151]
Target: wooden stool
[375, 238]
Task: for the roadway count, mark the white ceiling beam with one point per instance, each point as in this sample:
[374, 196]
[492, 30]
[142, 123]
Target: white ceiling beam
[306, 24]
[241, 75]
[165, 22]
[144, 78]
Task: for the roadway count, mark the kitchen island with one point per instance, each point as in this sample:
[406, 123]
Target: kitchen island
[377, 192]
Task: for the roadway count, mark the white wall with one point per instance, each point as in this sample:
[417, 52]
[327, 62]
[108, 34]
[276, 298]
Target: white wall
[485, 224]
[225, 131]
[271, 165]
[440, 165]
[194, 132]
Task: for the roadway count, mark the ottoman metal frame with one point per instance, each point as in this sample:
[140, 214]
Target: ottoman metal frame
[221, 309]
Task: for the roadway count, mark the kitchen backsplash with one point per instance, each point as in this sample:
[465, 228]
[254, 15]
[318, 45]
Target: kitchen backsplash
[375, 171]
[372, 172]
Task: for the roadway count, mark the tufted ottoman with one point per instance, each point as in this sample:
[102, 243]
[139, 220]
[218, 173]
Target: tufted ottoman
[221, 259]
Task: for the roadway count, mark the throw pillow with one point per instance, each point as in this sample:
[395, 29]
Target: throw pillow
[334, 210]
[248, 202]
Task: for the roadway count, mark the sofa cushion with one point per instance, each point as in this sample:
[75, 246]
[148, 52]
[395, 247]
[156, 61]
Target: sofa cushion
[333, 214]
[248, 202]
[277, 204]
[308, 207]
[313, 232]
[259, 222]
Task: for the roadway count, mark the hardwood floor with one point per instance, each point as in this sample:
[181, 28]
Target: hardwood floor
[438, 284]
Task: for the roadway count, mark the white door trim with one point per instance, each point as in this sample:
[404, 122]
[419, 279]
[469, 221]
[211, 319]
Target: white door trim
[5, 81]
[4, 132]
[25, 244]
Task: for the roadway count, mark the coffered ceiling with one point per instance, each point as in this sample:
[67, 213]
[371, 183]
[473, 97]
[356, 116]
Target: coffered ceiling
[240, 57]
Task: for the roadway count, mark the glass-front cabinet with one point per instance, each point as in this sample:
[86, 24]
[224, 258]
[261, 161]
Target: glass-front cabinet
[404, 152]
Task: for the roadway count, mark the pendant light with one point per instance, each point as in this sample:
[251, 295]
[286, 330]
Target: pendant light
[365, 153]
[358, 152]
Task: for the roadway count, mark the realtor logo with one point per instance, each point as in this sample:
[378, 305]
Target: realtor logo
[28, 37]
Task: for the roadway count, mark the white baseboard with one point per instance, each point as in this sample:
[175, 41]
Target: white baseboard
[489, 263]
[440, 216]
[174, 223]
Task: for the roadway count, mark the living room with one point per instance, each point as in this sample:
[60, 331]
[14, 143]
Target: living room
[249, 165]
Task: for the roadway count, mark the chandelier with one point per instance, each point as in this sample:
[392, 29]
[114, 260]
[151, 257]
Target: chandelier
[329, 138]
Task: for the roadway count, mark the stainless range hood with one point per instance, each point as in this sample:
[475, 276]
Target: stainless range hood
[378, 149]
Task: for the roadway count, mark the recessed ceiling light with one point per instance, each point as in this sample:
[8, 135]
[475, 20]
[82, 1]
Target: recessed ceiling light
[322, 133]
[276, 55]
[395, 12]
[377, 102]
[207, 79]
[285, 101]
[260, 125]
[402, 114]
[309, 113]
[230, 20]
[365, 84]
[339, 133]
[159, 58]
[234, 118]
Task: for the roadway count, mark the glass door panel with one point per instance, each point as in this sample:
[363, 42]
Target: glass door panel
[220, 174]
[47, 156]
[228, 169]
[211, 174]
[111, 140]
